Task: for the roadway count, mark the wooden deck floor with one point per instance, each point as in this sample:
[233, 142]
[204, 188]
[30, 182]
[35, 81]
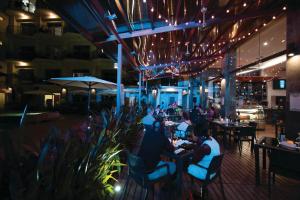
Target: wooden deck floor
[239, 180]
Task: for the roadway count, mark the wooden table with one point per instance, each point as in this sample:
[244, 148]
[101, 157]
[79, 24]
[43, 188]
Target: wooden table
[180, 160]
[228, 128]
[266, 144]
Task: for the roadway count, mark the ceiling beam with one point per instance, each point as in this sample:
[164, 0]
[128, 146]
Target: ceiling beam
[163, 65]
[101, 11]
[187, 25]
[124, 15]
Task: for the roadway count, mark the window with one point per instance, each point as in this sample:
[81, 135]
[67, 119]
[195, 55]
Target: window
[28, 28]
[27, 52]
[55, 28]
[26, 75]
[53, 51]
[81, 72]
[81, 51]
[52, 73]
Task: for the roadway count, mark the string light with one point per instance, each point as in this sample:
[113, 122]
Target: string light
[284, 8]
[245, 4]
[227, 11]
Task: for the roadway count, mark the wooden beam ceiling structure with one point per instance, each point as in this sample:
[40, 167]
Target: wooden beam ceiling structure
[168, 37]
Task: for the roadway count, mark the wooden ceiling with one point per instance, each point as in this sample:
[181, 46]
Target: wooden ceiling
[168, 37]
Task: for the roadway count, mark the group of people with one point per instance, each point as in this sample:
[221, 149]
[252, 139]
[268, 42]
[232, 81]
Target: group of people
[155, 143]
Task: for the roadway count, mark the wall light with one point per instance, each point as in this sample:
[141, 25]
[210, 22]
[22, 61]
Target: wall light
[291, 54]
[154, 92]
[292, 49]
[63, 91]
[24, 16]
[22, 64]
[9, 90]
[115, 65]
[171, 89]
[52, 15]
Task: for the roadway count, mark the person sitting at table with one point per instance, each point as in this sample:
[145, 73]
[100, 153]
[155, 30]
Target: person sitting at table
[153, 145]
[183, 126]
[210, 113]
[207, 148]
[148, 120]
[194, 114]
[157, 110]
[170, 110]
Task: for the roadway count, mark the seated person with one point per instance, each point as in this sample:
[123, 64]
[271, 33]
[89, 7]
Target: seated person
[210, 113]
[148, 119]
[157, 110]
[194, 114]
[206, 149]
[153, 145]
[182, 128]
[170, 110]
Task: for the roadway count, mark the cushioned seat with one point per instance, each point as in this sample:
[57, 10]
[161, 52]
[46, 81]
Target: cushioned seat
[163, 171]
[198, 172]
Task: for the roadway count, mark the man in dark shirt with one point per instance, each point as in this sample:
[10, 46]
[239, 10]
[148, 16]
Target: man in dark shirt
[153, 145]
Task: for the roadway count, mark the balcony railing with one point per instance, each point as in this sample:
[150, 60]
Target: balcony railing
[30, 31]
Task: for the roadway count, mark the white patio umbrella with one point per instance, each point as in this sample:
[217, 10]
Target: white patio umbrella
[88, 82]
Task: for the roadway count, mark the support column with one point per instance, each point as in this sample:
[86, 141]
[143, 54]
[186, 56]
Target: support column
[229, 63]
[158, 97]
[119, 79]
[140, 88]
[179, 100]
[203, 98]
[191, 93]
[293, 69]
[210, 93]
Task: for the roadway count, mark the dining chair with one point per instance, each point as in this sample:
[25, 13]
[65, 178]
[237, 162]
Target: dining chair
[217, 133]
[246, 134]
[213, 172]
[137, 172]
[285, 163]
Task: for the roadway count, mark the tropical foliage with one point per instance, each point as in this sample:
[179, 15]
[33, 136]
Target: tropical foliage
[84, 163]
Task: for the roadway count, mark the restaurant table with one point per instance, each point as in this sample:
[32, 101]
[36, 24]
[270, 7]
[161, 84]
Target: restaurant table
[170, 127]
[173, 117]
[228, 128]
[179, 160]
[266, 144]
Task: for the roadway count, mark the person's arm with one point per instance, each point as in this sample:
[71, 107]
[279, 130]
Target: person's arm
[168, 146]
[200, 152]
